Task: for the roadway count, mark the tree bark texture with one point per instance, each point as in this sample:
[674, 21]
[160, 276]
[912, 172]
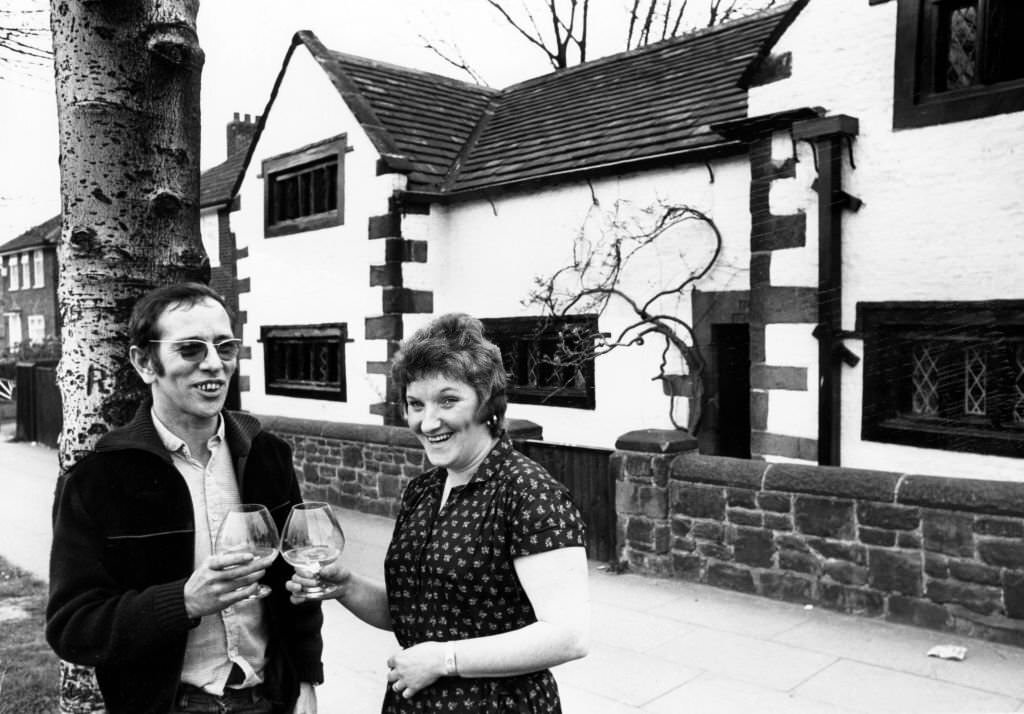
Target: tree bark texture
[128, 79]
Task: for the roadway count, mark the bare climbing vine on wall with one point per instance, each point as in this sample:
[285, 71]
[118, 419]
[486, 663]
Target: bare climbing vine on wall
[639, 262]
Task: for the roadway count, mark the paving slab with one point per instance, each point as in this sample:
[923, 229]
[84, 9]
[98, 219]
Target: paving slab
[584, 702]
[771, 665]
[731, 611]
[877, 689]
[623, 675]
[904, 648]
[722, 695]
[633, 592]
[28, 477]
[629, 629]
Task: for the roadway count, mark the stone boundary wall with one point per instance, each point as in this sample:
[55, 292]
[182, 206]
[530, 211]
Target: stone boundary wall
[363, 467]
[931, 551]
[359, 466]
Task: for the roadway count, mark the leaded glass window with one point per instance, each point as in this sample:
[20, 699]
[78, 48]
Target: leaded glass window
[961, 31]
[305, 360]
[925, 380]
[549, 360]
[944, 375]
[957, 60]
[1018, 384]
[975, 367]
[304, 189]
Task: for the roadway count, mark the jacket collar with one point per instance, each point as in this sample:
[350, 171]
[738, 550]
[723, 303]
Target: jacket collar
[139, 433]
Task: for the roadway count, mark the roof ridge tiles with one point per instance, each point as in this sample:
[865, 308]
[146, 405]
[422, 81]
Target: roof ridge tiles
[433, 76]
[650, 49]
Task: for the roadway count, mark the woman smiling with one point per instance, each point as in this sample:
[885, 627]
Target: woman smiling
[486, 575]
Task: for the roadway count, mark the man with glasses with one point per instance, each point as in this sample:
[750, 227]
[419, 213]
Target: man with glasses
[136, 590]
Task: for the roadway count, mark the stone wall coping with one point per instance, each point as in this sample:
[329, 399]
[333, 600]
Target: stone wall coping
[718, 470]
[348, 431]
[1005, 498]
[835, 481]
[375, 433]
[658, 441]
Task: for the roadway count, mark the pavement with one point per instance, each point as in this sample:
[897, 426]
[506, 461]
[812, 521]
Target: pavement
[658, 646]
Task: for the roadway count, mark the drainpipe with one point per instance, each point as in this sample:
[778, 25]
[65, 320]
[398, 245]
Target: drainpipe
[827, 135]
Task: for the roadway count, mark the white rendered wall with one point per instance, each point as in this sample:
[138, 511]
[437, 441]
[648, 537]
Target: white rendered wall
[314, 276]
[209, 231]
[943, 214]
[484, 256]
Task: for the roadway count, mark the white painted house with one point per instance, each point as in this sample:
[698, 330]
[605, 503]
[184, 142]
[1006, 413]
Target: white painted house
[376, 197]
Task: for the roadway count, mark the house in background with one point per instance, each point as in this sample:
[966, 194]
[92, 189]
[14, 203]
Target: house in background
[859, 165]
[379, 196]
[218, 197]
[28, 294]
[28, 286]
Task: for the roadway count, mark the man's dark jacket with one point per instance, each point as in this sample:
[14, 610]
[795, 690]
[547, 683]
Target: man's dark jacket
[123, 539]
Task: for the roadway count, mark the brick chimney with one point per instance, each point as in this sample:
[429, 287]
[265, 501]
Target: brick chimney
[240, 133]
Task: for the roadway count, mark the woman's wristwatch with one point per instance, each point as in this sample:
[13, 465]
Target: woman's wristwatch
[451, 662]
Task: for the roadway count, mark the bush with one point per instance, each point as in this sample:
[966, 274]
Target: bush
[46, 351]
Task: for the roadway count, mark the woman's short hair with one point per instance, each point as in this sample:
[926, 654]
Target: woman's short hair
[454, 345]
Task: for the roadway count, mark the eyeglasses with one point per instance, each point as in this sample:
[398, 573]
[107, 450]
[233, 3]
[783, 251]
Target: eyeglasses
[197, 350]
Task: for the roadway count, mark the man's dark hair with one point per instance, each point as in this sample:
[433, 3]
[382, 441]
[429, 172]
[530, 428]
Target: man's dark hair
[142, 326]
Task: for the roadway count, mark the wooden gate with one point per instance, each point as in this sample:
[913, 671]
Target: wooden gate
[39, 403]
[586, 472]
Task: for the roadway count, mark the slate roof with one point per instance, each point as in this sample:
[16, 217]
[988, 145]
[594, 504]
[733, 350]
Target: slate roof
[429, 117]
[217, 185]
[649, 104]
[45, 234]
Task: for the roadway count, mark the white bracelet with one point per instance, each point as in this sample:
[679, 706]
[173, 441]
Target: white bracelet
[451, 662]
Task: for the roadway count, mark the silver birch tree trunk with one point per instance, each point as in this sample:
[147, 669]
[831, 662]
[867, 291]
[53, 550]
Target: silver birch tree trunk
[128, 78]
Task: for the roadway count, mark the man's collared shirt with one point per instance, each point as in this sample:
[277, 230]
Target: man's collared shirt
[237, 634]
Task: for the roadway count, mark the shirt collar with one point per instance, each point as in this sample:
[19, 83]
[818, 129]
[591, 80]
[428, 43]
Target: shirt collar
[173, 443]
[493, 461]
[487, 468]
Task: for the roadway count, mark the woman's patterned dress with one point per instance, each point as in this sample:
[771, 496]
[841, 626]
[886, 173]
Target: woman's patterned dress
[450, 576]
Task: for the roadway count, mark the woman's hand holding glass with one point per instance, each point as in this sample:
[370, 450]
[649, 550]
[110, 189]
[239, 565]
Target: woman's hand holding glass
[311, 543]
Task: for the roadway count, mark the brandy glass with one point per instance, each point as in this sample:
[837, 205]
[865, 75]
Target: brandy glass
[248, 528]
[311, 539]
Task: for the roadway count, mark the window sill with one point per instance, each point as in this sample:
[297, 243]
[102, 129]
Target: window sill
[550, 398]
[301, 225]
[306, 391]
[960, 105]
[947, 436]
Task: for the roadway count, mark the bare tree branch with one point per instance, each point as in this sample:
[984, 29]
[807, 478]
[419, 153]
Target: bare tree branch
[566, 24]
[632, 23]
[24, 38]
[536, 41]
[455, 59]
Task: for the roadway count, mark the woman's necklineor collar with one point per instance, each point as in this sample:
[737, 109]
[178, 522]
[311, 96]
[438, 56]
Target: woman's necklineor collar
[464, 477]
[486, 468]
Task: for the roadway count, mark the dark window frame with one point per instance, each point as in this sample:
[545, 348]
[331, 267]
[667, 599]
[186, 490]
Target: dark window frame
[889, 328]
[917, 100]
[302, 339]
[304, 161]
[515, 336]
